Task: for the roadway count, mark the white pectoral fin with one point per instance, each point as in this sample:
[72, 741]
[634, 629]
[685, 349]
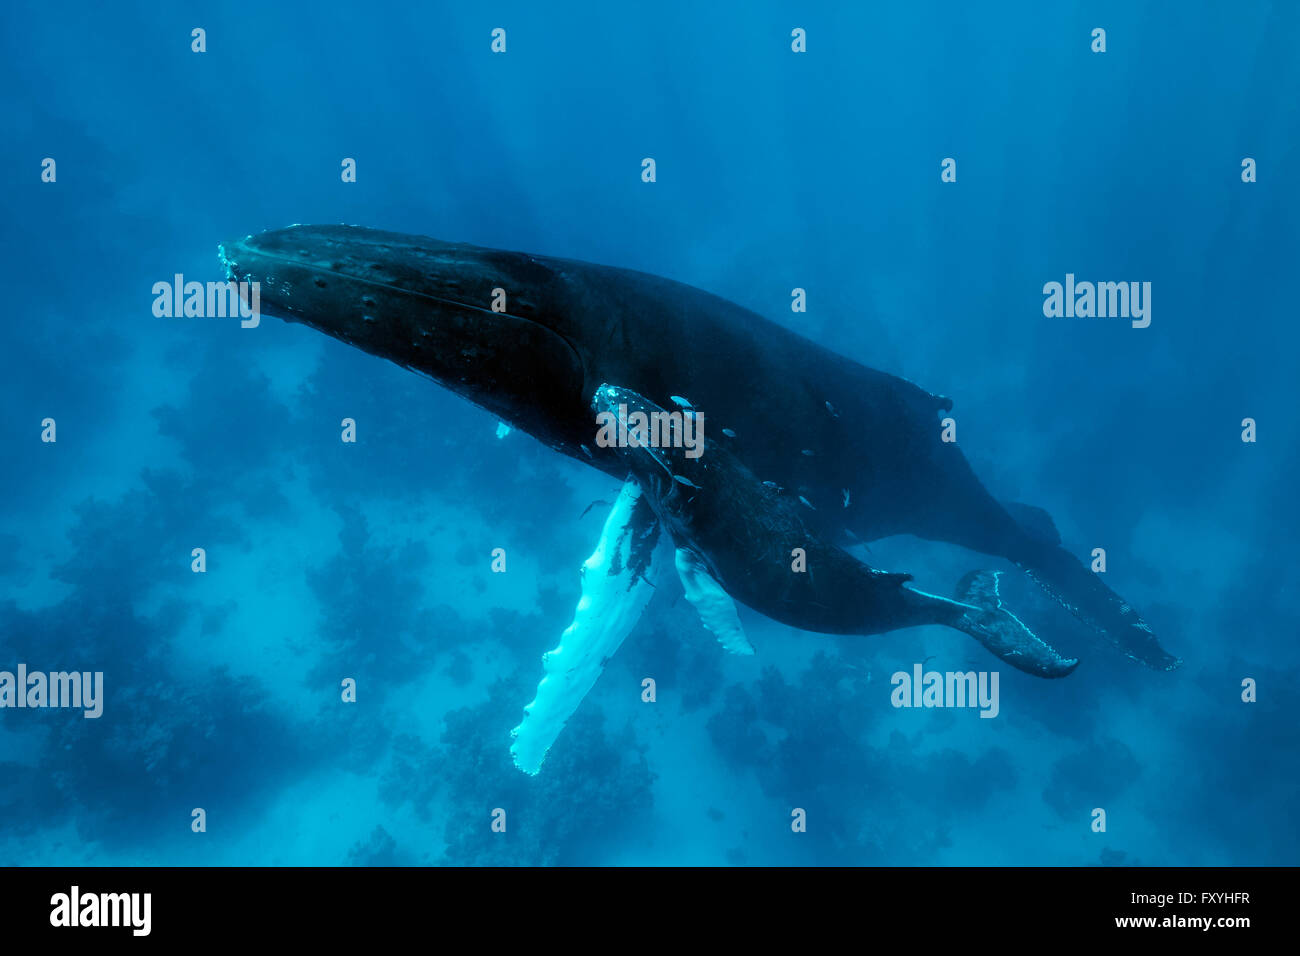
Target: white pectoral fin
[615, 590]
[717, 609]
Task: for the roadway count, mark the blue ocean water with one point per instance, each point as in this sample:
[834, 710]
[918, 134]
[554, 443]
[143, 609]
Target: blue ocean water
[775, 170]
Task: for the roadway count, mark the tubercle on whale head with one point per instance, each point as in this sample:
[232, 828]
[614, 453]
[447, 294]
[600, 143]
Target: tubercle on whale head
[609, 398]
[481, 322]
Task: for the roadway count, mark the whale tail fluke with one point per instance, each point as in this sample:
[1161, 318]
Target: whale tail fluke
[989, 621]
[1083, 594]
[1036, 550]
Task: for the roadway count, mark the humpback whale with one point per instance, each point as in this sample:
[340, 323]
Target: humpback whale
[531, 338]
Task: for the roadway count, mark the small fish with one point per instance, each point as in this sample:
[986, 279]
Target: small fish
[685, 481]
[729, 433]
[586, 451]
[773, 485]
[678, 400]
[831, 408]
[846, 496]
[807, 502]
[808, 452]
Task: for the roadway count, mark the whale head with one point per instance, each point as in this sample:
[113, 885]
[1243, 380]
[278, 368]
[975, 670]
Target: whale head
[481, 322]
[660, 447]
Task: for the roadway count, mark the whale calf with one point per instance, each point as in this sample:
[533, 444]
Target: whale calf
[750, 540]
[531, 338]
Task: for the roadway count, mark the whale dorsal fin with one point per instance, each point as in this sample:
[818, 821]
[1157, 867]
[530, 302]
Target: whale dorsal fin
[1036, 522]
[717, 609]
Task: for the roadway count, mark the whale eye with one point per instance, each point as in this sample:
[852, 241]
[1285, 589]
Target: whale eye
[320, 283]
